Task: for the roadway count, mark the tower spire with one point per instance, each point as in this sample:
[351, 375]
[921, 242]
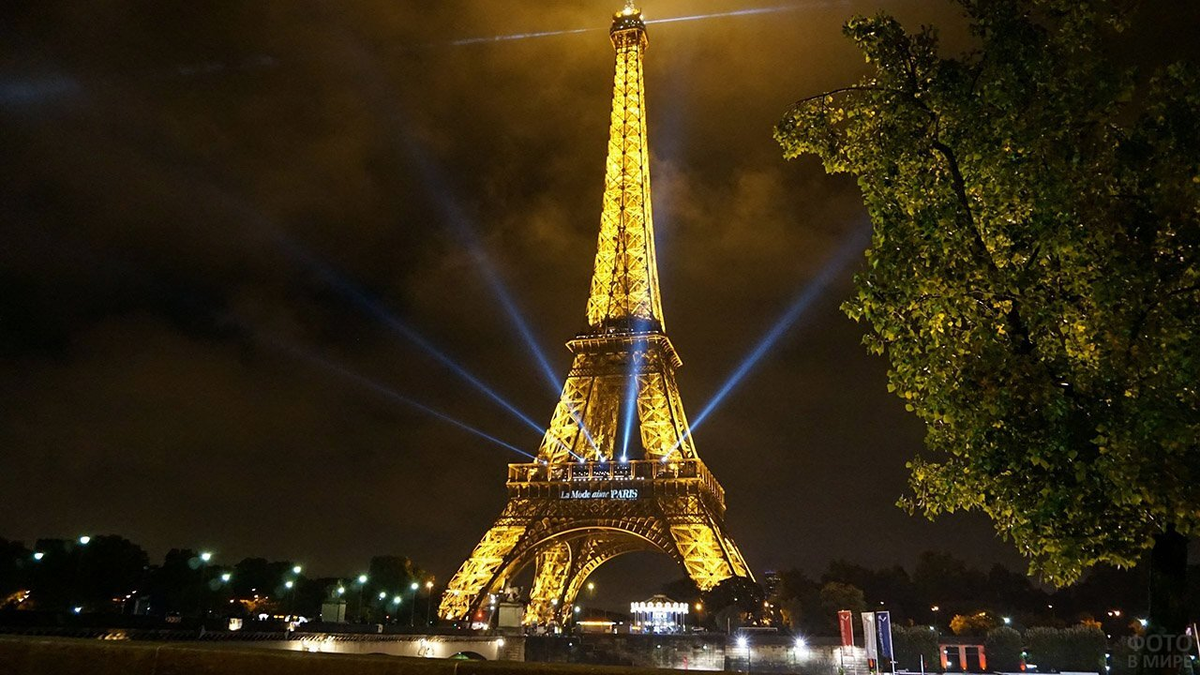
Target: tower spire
[624, 291]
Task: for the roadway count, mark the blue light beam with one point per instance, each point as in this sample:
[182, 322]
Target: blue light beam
[631, 391]
[829, 272]
[519, 36]
[370, 306]
[631, 394]
[738, 12]
[390, 394]
[438, 186]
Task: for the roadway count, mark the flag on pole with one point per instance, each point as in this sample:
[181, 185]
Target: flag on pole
[883, 623]
[869, 641]
[846, 626]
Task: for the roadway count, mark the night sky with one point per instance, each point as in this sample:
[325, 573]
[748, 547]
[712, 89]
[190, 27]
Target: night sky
[198, 200]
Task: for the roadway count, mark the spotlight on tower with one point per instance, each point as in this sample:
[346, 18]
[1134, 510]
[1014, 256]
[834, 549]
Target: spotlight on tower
[630, 404]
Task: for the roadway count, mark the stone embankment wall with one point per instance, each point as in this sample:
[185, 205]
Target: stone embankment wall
[74, 656]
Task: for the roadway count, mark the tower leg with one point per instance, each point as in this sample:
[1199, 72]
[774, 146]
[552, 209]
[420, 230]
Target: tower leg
[478, 574]
[552, 564]
[709, 556]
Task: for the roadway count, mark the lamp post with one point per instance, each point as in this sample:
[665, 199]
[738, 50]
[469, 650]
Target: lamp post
[205, 558]
[799, 649]
[428, 600]
[83, 541]
[744, 645]
[290, 585]
[412, 610]
[362, 581]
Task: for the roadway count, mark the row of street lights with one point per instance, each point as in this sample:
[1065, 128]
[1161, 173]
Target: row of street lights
[396, 600]
[205, 557]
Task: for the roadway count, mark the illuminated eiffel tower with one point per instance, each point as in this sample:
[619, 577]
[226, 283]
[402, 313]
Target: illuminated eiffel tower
[592, 496]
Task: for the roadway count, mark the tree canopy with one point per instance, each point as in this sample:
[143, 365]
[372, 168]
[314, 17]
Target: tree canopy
[1034, 272]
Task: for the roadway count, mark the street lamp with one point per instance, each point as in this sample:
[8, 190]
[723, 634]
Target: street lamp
[1007, 621]
[744, 645]
[83, 541]
[39, 555]
[205, 557]
[296, 570]
[362, 581]
[428, 600]
[226, 577]
[799, 649]
[412, 611]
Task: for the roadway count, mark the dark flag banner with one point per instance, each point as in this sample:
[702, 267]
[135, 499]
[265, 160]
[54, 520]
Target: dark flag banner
[883, 624]
[846, 625]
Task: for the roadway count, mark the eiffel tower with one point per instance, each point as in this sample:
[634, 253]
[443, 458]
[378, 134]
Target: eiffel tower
[593, 496]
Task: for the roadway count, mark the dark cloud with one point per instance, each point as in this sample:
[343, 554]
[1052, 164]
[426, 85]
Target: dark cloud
[182, 181]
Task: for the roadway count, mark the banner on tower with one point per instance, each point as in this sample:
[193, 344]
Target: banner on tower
[883, 624]
[869, 641]
[846, 626]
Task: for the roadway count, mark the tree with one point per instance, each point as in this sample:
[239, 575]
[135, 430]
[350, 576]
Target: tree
[799, 600]
[110, 567]
[972, 624]
[948, 582]
[1003, 649]
[889, 585]
[836, 596]
[917, 646]
[176, 585]
[1034, 277]
[1083, 647]
[14, 561]
[1046, 648]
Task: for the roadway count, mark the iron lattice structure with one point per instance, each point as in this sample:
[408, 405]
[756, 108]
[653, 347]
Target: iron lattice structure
[586, 501]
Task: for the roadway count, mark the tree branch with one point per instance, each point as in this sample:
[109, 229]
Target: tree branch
[842, 90]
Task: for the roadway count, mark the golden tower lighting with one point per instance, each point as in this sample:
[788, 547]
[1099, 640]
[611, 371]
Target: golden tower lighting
[583, 503]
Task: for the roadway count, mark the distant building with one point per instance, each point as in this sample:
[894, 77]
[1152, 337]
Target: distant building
[596, 626]
[772, 584]
[659, 614]
[962, 656]
[332, 611]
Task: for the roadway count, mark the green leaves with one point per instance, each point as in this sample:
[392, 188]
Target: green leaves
[1034, 274]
